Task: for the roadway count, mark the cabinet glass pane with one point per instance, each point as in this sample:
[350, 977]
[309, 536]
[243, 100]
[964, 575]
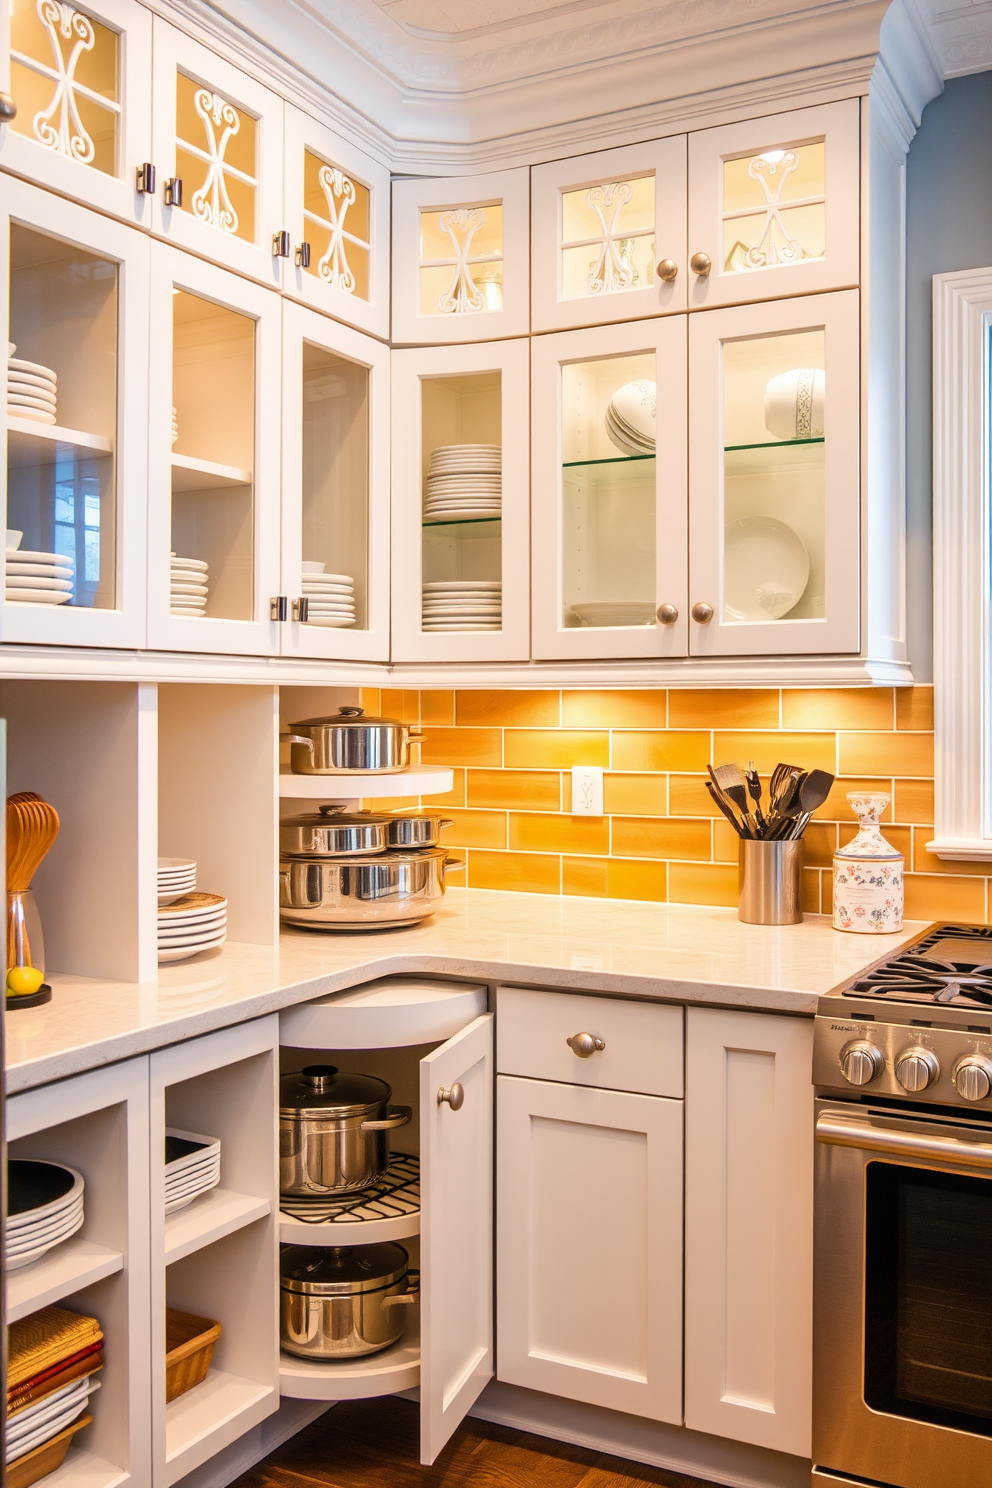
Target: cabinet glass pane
[462, 484]
[336, 224]
[774, 478]
[61, 424]
[774, 208]
[607, 234]
[335, 489]
[461, 260]
[64, 73]
[608, 491]
[213, 455]
[216, 159]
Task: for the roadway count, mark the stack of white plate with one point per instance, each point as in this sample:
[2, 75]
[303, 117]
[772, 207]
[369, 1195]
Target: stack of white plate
[192, 1165]
[37, 1423]
[176, 876]
[175, 424]
[189, 588]
[31, 389]
[631, 418]
[44, 1207]
[464, 483]
[36, 578]
[191, 923]
[331, 596]
[463, 604]
[615, 612]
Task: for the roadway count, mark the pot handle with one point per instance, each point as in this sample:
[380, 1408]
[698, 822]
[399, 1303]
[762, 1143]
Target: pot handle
[297, 739]
[411, 1295]
[415, 736]
[397, 1116]
[452, 865]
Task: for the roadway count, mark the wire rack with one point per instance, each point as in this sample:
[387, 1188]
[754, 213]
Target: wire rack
[393, 1195]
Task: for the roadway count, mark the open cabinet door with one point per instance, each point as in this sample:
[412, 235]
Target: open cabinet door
[456, 1236]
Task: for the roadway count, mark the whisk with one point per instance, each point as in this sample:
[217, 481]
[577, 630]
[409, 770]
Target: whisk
[32, 827]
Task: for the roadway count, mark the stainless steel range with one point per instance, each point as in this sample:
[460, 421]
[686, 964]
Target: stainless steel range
[902, 1064]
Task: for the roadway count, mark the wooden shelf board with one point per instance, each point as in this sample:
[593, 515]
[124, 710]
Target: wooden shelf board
[189, 474]
[364, 1232]
[82, 1469]
[211, 1416]
[26, 440]
[396, 1368]
[418, 780]
[210, 1217]
[65, 1269]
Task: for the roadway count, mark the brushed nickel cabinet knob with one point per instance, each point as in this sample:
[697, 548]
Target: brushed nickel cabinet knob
[702, 612]
[455, 1097]
[700, 263]
[667, 613]
[667, 269]
[8, 108]
[585, 1044]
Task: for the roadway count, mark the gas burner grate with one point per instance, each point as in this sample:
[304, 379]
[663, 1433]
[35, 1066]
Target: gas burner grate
[395, 1194]
[960, 975]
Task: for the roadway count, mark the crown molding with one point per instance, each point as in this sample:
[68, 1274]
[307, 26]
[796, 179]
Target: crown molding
[963, 37]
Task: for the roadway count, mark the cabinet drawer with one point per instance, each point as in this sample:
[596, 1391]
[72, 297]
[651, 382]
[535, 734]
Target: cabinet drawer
[643, 1040]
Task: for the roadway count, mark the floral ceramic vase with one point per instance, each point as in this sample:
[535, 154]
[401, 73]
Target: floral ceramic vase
[868, 874]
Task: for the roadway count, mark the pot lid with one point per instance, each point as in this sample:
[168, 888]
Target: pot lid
[333, 815]
[400, 815]
[326, 1270]
[320, 1090]
[344, 718]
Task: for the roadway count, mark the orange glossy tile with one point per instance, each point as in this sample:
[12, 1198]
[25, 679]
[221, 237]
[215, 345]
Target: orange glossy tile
[826, 893]
[838, 708]
[538, 790]
[437, 708]
[520, 708]
[475, 829]
[454, 797]
[462, 746]
[726, 842]
[688, 796]
[665, 837]
[615, 708]
[368, 698]
[811, 751]
[893, 754]
[901, 838]
[702, 883]
[927, 862]
[526, 873]
[838, 808]
[635, 795]
[554, 749]
[402, 703]
[940, 897]
[914, 707]
[725, 707]
[819, 844]
[914, 802]
[613, 878]
[549, 832]
[660, 750]
[811, 890]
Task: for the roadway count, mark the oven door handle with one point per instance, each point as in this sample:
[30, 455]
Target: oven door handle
[841, 1131]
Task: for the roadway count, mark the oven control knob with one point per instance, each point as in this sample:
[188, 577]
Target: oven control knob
[972, 1077]
[917, 1068]
[861, 1062]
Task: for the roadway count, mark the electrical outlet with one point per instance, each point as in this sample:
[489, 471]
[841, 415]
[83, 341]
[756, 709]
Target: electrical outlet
[587, 790]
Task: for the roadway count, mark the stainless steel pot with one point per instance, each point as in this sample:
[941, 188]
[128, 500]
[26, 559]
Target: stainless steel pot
[392, 888]
[348, 741]
[415, 828]
[332, 1130]
[343, 1301]
[333, 832]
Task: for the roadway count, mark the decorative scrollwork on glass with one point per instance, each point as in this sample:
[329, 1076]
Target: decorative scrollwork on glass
[772, 175]
[339, 194]
[67, 135]
[462, 294]
[611, 271]
[221, 122]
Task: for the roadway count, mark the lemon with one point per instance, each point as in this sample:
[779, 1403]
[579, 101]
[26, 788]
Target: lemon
[23, 980]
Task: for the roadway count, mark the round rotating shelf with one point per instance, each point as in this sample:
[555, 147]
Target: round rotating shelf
[418, 780]
[388, 1210]
[395, 1369]
[390, 1013]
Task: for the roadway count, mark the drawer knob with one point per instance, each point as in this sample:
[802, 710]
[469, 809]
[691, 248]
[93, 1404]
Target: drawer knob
[585, 1044]
[455, 1097]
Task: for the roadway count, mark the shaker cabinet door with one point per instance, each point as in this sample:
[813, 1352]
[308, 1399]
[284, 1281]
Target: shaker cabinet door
[456, 1233]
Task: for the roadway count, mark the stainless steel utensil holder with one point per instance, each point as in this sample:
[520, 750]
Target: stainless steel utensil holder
[771, 882]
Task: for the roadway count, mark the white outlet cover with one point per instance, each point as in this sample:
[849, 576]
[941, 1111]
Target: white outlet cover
[587, 790]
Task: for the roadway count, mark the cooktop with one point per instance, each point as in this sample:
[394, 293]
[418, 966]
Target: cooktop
[948, 964]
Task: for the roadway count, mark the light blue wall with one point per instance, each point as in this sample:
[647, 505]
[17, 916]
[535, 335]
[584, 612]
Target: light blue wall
[949, 226]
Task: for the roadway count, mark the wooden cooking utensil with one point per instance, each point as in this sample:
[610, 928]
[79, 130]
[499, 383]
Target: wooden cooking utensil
[32, 827]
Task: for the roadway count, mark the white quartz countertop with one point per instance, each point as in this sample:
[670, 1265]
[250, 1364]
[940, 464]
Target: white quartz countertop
[666, 952]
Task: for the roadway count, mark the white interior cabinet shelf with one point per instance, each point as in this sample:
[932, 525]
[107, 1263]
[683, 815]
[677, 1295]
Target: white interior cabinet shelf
[395, 1369]
[65, 1269]
[23, 436]
[418, 780]
[209, 1417]
[190, 474]
[210, 1217]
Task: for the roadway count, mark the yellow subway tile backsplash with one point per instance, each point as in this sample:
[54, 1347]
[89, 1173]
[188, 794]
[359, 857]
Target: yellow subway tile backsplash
[636, 795]
[437, 708]
[402, 703]
[837, 807]
[641, 708]
[914, 708]
[509, 709]
[535, 790]
[935, 897]
[555, 749]
[913, 802]
[688, 796]
[527, 873]
[454, 797]
[702, 883]
[838, 708]
[643, 837]
[462, 746]
[812, 751]
[614, 878]
[533, 831]
[475, 829]
[896, 754]
[730, 708]
[660, 750]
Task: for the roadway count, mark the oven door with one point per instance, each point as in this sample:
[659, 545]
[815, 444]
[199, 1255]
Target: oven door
[902, 1356]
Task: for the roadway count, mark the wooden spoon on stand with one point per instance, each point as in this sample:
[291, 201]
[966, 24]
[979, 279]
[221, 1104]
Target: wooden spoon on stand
[32, 827]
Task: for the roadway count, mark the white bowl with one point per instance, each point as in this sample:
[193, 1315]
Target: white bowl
[308, 567]
[13, 539]
[794, 404]
[636, 404]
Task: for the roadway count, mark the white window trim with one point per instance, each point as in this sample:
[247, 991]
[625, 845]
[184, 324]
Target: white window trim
[962, 661]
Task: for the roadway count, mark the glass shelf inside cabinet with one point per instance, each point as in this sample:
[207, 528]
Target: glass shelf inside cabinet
[213, 444]
[608, 492]
[774, 467]
[462, 503]
[335, 489]
[61, 424]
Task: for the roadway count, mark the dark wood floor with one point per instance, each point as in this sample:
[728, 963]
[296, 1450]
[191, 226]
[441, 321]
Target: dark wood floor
[375, 1444]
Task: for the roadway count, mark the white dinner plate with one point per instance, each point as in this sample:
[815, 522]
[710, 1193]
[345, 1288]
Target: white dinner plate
[179, 586]
[25, 380]
[337, 621]
[35, 581]
[39, 570]
[51, 1228]
[27, 394]
[766, 568]
[196, 930]
[19, 365]
[438, 629]
[44, 1215]
[202, 903]
[460, 514]
[188, 575]
[442, 483]
[173, 921]
[188, 562]
[462, 612]
[25, 555]
[465, 586]
[35, 596]
[196, 1172]
[36, 415]
[181, 953]
[194, 938]
[175, 865]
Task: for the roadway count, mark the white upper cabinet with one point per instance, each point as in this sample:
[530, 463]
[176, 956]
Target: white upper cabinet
[336, 210]
[774, 536]
[774, 206]
[218, 150]
[609, 483]
[609, 235]
[460, 258]
[75, 303]
[214, 459]
[335, 488]
[80, 77]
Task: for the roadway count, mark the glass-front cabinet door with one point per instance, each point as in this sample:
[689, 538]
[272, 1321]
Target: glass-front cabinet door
[460, 258]
[336, 210]
[460, 503]
[609, 491]
[335, 489]
[774, 206]
[608, 236]
[80, 76]
[213, 525]
[218, 146]
[76, 309]
[775, 537]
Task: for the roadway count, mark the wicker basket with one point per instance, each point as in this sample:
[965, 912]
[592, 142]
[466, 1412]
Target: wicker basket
[189, 1343]
[44, 1459]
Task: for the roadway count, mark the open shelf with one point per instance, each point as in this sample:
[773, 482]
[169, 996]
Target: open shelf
[210, 1417]
[418, 780]
[358, 1232]
[24, 436]
[464, 522]
[395, 1369]
[82, 1469]
[189, 474]
[64, 1269]
[210, 1217]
